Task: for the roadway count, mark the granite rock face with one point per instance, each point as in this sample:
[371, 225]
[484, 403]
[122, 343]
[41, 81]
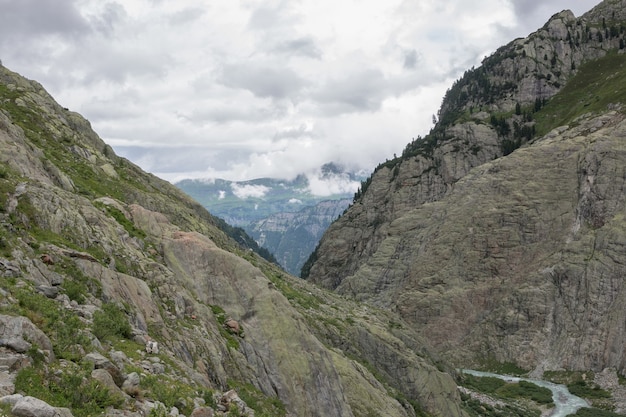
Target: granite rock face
[491, 252]
[522, 259]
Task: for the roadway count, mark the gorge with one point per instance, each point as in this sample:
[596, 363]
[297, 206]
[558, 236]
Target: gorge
[495, 242]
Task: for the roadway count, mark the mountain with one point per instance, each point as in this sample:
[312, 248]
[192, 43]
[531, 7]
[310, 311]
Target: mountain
[500, 236]
[292, 237]
[122, 296]
[283, 216]
[241, 203]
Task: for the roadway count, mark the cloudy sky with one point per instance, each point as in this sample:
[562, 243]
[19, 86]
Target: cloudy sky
[241, 89]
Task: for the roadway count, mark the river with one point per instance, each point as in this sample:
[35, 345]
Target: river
[565, 403]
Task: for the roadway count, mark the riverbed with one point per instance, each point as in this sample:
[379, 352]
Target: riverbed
[565, 403]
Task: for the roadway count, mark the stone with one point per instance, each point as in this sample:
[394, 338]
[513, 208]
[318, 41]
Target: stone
[131, 384]
[11, 399]
[48, 291]
[33, 407]
[157, 368]
[119, 358]
[7, 384]
[152, 347]
[105, 378]
[232, 325]
[21, 331]
[63, 412]
[202, 412]
[101, 362]
[17, 344]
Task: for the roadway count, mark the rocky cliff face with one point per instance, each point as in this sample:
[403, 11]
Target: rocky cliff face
[99, 258]
[292, 236]
[500, 235]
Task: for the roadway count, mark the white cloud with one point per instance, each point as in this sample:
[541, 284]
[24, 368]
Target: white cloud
[327, 185]
[249, 190]
[249, 89]
[222, 195]
[295, 201]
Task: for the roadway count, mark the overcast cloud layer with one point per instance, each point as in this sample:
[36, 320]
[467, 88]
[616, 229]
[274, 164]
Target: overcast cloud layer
[247, 89]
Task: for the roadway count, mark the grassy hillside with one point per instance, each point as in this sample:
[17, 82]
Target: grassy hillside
[596, 86]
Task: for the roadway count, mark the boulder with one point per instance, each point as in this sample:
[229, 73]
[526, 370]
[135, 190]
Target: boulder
[48, 291]
[101, 362]
[105, 378]
[16, 332]
[11, 399]
[202, 412]
[33, 407]
[232, 325]
[131, 384]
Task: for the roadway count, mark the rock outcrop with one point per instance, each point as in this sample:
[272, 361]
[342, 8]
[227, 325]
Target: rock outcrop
[292, 236]
[500, 235]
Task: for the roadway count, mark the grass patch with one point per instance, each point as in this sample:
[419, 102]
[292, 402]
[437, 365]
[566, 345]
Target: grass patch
[504, 368]
[119, 217]
[74, 389]
[220, 316]
[64, 328]
[506, 390]
[263, 405]
[525, 389]
[111, 322]
[594, 412]
[475, 408]
[170, 392]
[302, 299]
[588, 390]
[596, 85]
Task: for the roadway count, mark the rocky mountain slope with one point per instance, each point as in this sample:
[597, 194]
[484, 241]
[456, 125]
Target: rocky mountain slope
[500, 236]
[121, 296]
[285, 218]
[293, 236]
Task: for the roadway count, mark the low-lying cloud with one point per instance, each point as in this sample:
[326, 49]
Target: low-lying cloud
[249, 191]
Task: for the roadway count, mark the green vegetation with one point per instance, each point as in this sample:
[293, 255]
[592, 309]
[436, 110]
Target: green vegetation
[169, 391]
[588, 390]
[477, 409]
[263, 405]
[126, 223]
[305, 300]
[500, 389]
[73, 389]
[578, 383]
[64, 328]
[525, 389]
[111, 322]
[505, 368]
[597, 84]
[594, 412]
[581, 384]
[220, 315]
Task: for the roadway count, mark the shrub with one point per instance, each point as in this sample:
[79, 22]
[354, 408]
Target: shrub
[74, 390]
[526, 390]
[111, 322]
[581, 388]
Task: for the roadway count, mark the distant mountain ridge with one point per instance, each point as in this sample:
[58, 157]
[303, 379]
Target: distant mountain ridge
[241, 203]
[292, 236]
[285, 217]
